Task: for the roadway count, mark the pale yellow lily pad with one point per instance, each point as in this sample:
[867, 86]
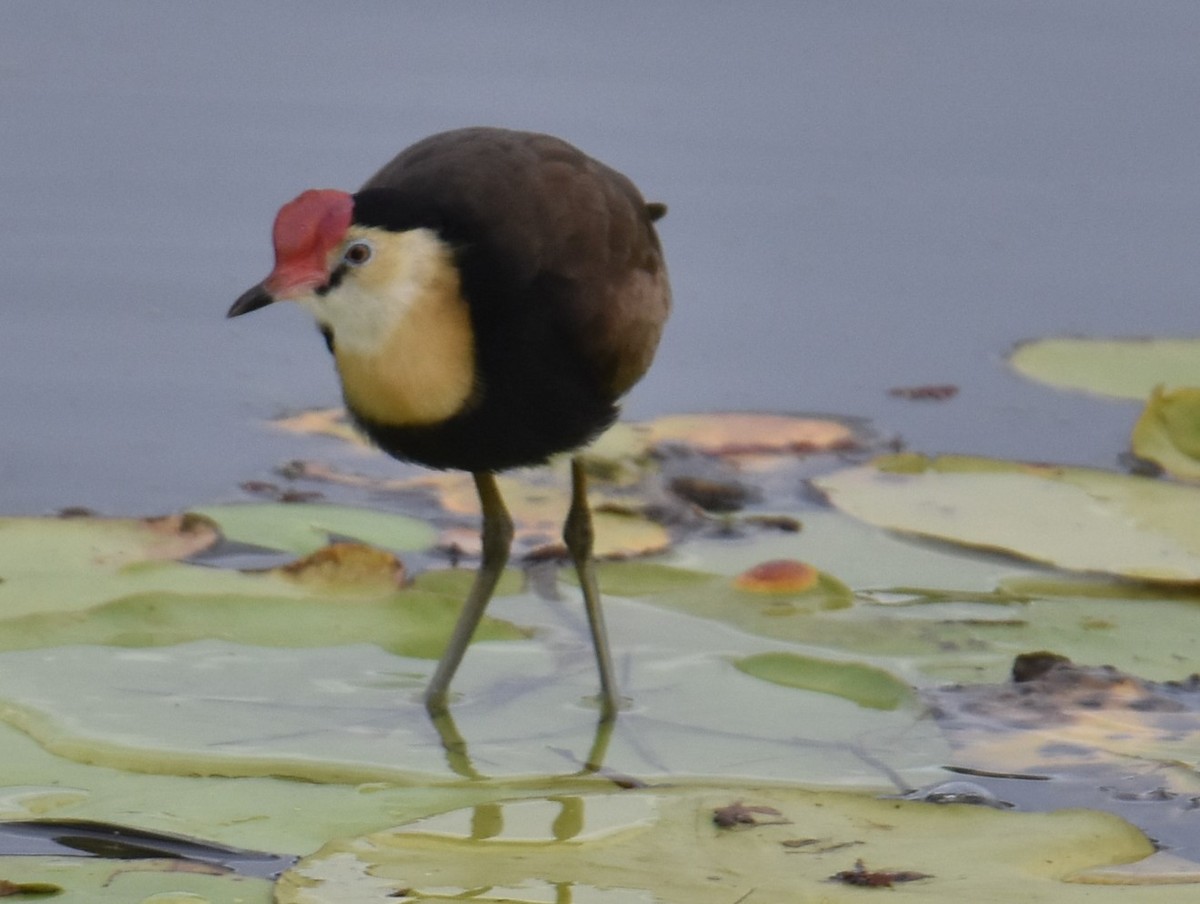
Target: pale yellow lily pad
[68, 564]
[1079, 519]
[83, 880]
[1120, 368]
[748, 433]
[638, 847]
[1168, 432]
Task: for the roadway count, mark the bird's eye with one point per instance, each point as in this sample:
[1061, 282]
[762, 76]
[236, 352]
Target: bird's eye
[357, 253]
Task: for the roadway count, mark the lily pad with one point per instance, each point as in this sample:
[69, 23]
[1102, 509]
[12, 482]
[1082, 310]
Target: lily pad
[68, 564]
[663, 845]
[748, 433]
[411, 622]
[353, 714]
[303, 528]
[1168, 432]
[1120, 368]
[149, 881]
[1078, 519]
[712, 433]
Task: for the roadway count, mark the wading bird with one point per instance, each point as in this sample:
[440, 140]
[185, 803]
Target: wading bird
[488, 297]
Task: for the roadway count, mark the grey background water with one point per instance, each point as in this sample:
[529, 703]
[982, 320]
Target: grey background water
[863, 195]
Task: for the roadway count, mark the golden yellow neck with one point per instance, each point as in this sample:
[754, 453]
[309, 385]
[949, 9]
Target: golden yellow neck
[423, 373]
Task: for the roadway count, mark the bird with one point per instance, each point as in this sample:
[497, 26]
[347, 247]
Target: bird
[488, 296]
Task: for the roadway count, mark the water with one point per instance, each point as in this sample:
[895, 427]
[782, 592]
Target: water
[863, 195]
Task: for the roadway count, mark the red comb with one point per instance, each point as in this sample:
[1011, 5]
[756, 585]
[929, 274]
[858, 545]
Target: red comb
[306, 229]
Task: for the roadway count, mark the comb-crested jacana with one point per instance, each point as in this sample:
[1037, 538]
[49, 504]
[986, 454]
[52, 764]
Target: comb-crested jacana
[488, 297]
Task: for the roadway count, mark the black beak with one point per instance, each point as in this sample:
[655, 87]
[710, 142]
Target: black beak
[251, 300]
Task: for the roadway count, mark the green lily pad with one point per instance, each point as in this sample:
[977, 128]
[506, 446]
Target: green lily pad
[1120, 368]
[720, 598]
[84, 880]
[410, 622]
[1168, 432]
[864, 684]
[303, 528]
[68, 564]
[353, 714]
[1078, 519]
[663, 845]
[255, 812]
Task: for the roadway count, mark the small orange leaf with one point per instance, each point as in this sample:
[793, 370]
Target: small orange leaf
[778, 576]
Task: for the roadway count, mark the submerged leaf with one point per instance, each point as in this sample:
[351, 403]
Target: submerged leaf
[1055, 713]
[865, 685]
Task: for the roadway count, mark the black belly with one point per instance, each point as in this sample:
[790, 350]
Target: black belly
[491, 439]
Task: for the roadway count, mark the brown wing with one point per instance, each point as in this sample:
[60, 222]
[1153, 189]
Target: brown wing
[554, 213]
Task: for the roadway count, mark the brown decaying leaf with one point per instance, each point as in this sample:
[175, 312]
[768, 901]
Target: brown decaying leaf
[939, 392]
[784, 523]
[347, 565]
[267, 490]
[1049, 691]
[182, 535]
[866, 878]
[740, 814]
[721, 496]
[11, 889]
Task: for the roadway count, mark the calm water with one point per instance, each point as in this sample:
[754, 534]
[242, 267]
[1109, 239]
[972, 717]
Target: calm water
[863, 195]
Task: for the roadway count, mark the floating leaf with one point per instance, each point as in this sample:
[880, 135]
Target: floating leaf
[67, 564]
[352, 713]
[1074, 518]
[346, 566]
[408, 622]
[1168, 432]
[79, 880]
[33, 545]
[1121, 368]
[663, 846]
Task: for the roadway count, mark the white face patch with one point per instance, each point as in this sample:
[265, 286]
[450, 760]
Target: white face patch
[402, 332]
[374, 298]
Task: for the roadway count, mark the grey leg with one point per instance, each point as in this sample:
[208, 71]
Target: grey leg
[577, 534]
[497, 538]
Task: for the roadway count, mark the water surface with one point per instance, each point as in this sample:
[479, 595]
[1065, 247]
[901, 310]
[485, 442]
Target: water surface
[862, 195]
